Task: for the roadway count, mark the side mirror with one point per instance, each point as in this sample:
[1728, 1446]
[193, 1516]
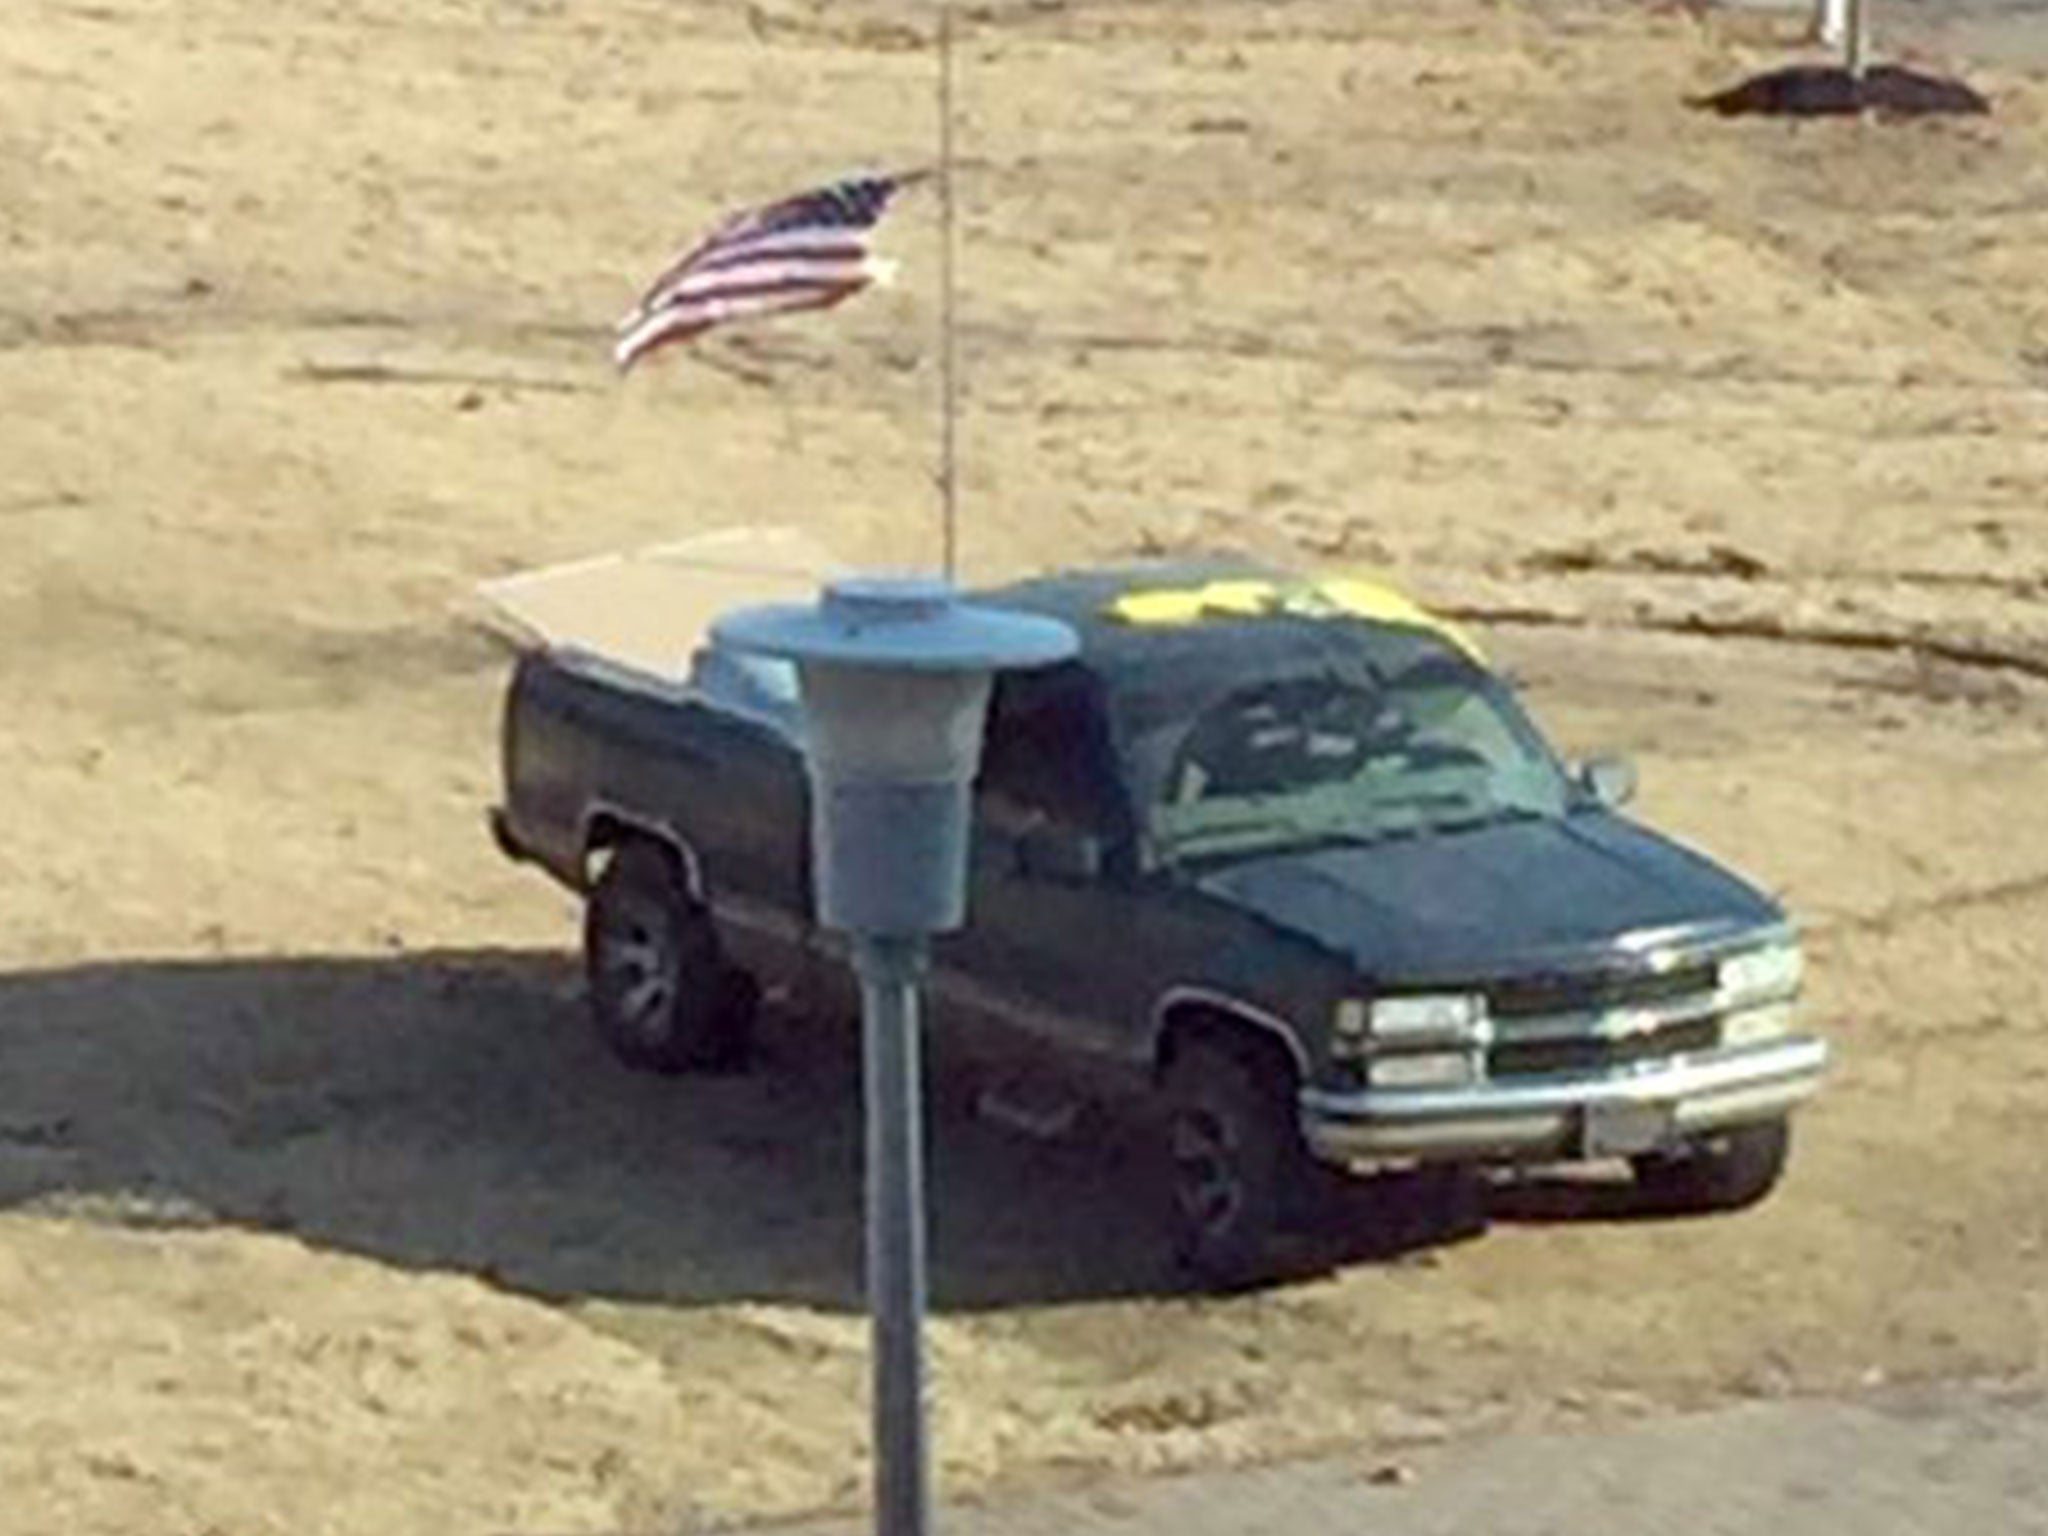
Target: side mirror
[1608, 781]
[1060, 854]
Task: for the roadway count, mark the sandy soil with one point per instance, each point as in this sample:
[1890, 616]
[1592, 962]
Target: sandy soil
[323, 1212]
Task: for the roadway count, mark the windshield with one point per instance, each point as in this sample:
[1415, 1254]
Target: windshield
[1439, 747]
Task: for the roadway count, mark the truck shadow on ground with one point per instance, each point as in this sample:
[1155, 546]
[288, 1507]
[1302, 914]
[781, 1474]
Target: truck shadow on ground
[452, 1111]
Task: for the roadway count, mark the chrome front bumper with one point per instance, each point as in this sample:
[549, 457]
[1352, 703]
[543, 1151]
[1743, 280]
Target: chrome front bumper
[1544, 1119]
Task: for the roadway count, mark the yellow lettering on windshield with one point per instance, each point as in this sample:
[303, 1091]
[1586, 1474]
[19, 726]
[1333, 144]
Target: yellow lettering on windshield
[1335, 597]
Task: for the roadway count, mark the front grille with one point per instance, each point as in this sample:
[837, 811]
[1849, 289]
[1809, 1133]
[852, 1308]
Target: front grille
[1529, 1058]
[1592, 991]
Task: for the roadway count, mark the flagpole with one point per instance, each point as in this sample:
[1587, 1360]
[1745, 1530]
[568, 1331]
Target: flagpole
[948, 373]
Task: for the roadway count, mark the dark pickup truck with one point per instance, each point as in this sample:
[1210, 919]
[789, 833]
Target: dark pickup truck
[1282, 857]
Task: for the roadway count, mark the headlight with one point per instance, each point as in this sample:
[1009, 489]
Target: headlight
[1405, 1023]
[1436, 1039]
[1761, 975]
[1424, 1069]
[1350, 1024]
[1757, 1026]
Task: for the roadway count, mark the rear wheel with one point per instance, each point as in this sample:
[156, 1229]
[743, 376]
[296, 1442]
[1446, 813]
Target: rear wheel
[1723, 1172]
[1235, 1161]
[662, 996]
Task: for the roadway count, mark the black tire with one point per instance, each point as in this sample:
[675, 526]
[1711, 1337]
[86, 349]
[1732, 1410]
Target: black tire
[1724, 1172]
[1235, 1165]
[662, 996]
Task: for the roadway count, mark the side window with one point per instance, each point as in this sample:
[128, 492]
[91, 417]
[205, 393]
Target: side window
[761, 686]
[1044, 758]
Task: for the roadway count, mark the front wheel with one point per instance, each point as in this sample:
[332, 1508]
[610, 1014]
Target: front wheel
[662, 996]
[1726, 1171]
[1235, 1160]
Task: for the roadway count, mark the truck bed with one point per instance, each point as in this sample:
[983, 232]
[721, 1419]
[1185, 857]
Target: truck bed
[710, 764]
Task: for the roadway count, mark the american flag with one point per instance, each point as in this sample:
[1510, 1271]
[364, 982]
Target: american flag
[805, 252]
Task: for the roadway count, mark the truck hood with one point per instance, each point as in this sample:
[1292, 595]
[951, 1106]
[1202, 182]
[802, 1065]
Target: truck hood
[1494, 901]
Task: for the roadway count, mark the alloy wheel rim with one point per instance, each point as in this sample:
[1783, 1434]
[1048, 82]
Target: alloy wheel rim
[1206, 1182]
[643, 965]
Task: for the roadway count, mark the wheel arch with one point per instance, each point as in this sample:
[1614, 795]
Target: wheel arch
[606, 828]
[1189, 1013]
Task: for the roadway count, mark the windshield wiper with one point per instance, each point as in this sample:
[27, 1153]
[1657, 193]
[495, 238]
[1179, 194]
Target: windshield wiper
[1231, 838]
[1357, 837]
[1296, 838]
[1470, 823]
[1281, 836]
[1492, 816]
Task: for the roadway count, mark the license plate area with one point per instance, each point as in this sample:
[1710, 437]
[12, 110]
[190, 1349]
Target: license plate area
[1626, 1129]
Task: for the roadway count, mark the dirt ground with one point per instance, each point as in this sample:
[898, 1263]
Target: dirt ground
[324, 1214]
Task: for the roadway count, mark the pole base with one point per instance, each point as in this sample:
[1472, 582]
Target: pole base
[1833, 90]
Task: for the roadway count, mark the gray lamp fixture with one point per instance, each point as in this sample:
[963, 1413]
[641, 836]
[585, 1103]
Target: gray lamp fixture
[895, 675]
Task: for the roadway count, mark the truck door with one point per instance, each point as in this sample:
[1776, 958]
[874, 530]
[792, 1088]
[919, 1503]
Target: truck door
[1038, 972]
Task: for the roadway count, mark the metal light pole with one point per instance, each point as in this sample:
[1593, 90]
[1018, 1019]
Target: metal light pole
[1856, 37]
[1831, 22]
[1845, 24]
[895, 676]
[949, 370]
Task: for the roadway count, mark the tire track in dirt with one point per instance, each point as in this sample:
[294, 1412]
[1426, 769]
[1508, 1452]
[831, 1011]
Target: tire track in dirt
[2002, 893]
[1493, 349]
[147, 326]
[1984, 655]
[1726, 561]
[1500, 348]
